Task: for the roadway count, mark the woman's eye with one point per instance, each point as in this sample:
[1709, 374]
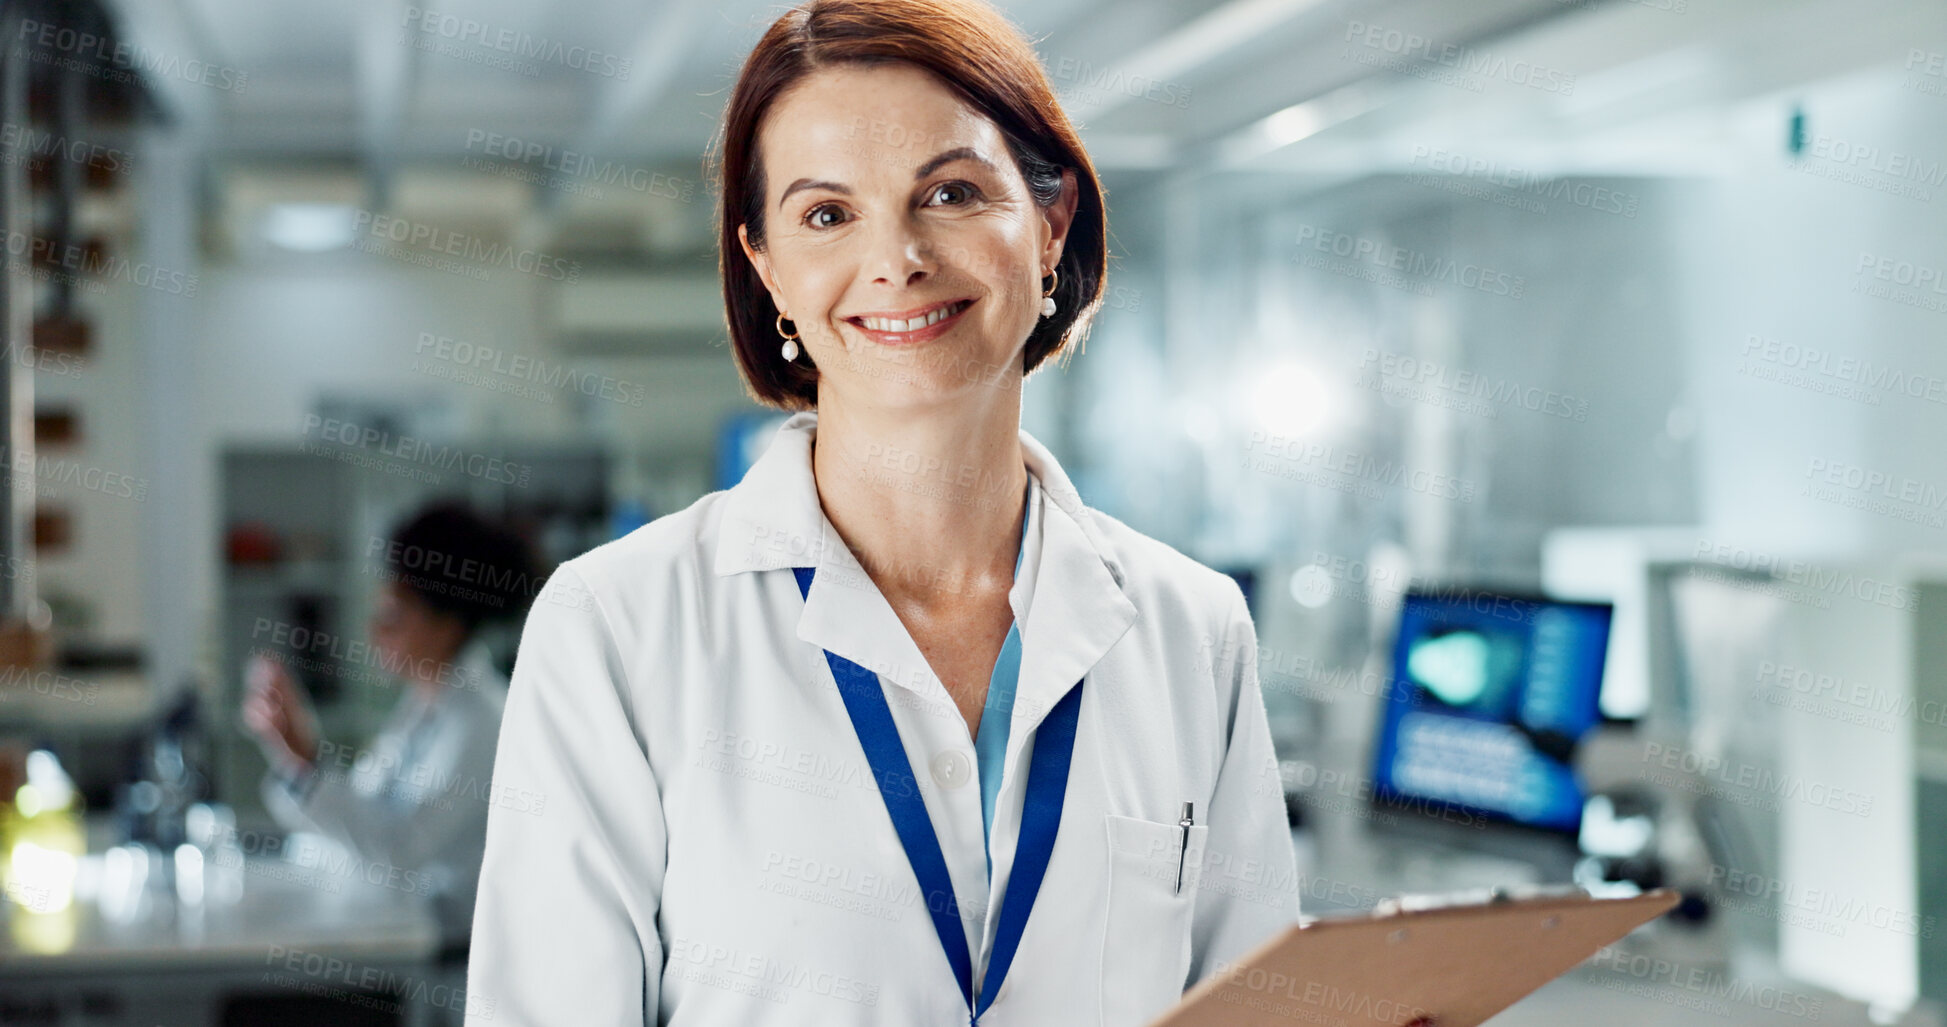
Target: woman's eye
[815, 217]
[962, 190]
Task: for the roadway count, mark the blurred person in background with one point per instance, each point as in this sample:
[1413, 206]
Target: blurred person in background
[413, 801]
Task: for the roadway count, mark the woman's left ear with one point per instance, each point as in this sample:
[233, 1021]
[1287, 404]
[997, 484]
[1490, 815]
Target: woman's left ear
[760, 261]
[1060, 215]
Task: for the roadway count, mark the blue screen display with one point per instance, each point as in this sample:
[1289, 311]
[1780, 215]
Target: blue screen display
[1489, 697]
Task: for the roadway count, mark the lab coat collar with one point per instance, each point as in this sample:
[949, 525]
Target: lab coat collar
[772, 520]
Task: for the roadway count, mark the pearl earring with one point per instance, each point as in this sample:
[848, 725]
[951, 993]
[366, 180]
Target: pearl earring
[1048, 307]
[790, 349]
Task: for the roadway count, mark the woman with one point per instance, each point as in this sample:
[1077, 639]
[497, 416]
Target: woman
[827, 737]
[411, 804]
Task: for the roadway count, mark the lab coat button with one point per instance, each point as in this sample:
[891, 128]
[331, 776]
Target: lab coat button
[952, 768]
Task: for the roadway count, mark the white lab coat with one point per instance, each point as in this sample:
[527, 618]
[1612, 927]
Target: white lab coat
[411, 805]
[711, 847]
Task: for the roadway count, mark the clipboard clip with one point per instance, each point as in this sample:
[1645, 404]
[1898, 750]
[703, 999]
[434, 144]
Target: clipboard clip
[1402, 904]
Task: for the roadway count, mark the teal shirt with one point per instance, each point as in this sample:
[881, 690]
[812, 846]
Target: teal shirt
[990, 744]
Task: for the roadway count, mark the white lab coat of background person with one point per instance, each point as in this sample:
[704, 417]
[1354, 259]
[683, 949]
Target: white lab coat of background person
[711, 847]
[412, 804]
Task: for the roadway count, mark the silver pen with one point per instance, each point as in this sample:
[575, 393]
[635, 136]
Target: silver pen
[1183, 850]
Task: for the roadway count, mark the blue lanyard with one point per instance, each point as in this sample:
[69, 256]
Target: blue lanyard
[1054, 745]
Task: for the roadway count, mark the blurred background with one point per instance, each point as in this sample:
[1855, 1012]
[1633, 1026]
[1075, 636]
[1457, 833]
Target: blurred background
[1563, 380]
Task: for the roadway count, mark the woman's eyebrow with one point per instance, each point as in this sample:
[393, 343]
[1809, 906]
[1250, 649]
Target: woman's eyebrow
[808, 183]
[938, 161]
[948, 157]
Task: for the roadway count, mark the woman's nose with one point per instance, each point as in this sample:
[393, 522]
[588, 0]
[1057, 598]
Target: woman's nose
[900, 254]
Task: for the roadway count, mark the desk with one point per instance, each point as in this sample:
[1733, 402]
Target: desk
[133, 955]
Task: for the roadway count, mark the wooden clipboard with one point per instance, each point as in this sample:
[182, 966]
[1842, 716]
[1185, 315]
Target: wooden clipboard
[1452, 962]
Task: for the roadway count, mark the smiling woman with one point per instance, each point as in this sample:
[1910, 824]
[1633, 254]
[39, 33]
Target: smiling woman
[744, 823]
[933, 103]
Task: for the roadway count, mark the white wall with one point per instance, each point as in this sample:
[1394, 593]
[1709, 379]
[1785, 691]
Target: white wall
[1776, 254]
[273, 333]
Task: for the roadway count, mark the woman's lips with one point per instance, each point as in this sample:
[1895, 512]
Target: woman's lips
[930, 325]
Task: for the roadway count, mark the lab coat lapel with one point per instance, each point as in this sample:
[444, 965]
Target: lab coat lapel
[772, 520]
[1078, 610]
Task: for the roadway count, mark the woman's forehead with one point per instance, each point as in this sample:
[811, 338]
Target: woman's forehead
[893, 117]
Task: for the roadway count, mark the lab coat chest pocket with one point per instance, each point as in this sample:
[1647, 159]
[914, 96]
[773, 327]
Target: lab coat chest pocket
[1146, 939]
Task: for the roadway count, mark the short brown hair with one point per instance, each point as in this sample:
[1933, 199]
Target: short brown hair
[970, 48]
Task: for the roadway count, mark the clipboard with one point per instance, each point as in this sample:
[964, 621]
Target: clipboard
[1454, 961]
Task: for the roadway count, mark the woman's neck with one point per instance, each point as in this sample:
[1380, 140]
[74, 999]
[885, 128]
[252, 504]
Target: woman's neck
[928, 503]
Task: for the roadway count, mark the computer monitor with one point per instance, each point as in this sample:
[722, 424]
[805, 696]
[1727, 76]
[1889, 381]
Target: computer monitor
[1489, 697]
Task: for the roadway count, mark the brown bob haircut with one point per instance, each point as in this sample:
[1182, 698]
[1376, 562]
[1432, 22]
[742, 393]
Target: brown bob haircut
[972, 50]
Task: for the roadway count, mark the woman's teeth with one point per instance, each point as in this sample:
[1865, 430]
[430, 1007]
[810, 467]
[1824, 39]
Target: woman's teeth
[938, 314]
